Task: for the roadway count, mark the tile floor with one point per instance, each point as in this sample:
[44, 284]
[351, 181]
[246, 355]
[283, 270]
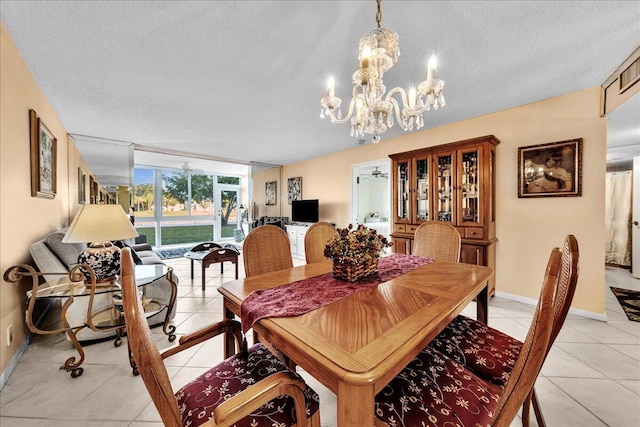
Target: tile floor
[591, 377]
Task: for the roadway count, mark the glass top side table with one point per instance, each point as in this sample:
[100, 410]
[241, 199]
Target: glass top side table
[71, 287]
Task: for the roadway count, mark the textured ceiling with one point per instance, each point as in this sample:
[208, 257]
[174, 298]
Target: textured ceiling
[242, 80]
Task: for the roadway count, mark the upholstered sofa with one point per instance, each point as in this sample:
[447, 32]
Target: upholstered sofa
[50, 255]
[279, 221]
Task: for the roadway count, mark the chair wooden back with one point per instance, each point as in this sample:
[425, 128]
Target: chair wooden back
[144, 350]
[316, 239]
[534, 349]
[266, 248]
[437, 240]
[567, 281]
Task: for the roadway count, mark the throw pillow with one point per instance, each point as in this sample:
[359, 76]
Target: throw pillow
[134, 255]
[67, 253]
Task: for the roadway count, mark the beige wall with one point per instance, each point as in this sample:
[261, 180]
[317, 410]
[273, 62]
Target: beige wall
[258, 206]
[25, 219]
[527, 229]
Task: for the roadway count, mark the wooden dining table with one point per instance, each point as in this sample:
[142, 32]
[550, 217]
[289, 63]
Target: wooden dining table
[356, 345]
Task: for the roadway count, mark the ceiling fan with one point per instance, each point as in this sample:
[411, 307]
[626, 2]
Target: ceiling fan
[377, 173]
[187, 168]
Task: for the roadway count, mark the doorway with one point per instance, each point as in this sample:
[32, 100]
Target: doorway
[371, 196]
[622, 208]
[227, 218]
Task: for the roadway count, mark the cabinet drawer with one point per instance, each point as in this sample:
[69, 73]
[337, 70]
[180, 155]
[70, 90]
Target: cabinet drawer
[399, 228]
[411, 228]
[474, 233]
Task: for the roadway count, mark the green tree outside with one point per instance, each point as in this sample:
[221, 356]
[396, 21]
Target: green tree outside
[176, 191]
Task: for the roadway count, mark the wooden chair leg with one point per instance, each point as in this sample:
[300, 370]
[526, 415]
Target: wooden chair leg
[526, 405]
[532, 400]
[537, 410]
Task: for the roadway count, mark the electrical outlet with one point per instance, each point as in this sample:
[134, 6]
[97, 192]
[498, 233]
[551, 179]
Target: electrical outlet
[9, 335]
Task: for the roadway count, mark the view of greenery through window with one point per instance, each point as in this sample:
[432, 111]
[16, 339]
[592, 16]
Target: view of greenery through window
[188, 206]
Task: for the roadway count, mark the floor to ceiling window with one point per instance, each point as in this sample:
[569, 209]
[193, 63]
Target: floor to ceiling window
[175, 207]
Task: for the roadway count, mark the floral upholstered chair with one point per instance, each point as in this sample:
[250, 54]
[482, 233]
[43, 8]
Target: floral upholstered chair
[266, 249]
[491, 354]
[437, 240]
[316, 239]
[435, 390]
[250, 389]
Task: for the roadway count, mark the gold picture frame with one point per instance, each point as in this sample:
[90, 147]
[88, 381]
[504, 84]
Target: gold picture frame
[43, 158]
[550, 170]
[82, 186]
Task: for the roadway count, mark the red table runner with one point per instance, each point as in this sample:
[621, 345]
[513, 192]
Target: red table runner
[293, 299]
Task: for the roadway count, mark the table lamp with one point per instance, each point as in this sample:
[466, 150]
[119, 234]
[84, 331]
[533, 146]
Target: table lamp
[98, 225]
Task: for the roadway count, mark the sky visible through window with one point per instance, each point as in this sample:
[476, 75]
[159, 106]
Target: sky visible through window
[143, 176]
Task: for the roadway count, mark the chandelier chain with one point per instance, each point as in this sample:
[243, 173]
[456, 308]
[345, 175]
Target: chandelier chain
[379, 14]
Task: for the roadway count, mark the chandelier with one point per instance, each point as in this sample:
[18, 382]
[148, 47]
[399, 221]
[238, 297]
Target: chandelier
[370, 111]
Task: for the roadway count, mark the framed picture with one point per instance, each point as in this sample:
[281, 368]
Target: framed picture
[82, 185]
[43, 158]
[270, 193]
[294, 189]
[550, 170]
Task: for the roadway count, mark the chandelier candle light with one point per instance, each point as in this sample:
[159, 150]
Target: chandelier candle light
[370, 111]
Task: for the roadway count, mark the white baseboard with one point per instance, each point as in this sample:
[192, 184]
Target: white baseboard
[4, 377]
[533, 302]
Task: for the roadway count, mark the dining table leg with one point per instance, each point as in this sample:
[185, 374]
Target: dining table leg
[482, 304]
[229, 340]
[356, 405]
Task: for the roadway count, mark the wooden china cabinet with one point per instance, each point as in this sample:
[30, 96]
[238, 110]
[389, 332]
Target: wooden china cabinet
[454, 183]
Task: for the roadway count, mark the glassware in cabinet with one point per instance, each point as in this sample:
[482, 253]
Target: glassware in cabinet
[445, 186]
[469, 187]
[402, 191]
[423, 208]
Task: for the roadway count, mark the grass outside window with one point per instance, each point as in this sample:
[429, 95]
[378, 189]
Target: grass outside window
[184, 234]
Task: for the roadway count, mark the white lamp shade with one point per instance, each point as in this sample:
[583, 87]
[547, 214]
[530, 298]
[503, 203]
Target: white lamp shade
[99, 223]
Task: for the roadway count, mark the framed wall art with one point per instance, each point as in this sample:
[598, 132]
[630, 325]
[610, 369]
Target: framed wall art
[82, 186]
[550, 170]
[271, 193]
[294, 189]
[43, 158]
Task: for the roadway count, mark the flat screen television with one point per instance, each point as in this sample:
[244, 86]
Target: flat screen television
[304, 210]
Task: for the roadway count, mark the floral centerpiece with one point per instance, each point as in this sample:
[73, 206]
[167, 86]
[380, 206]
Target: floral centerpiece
[355, 252]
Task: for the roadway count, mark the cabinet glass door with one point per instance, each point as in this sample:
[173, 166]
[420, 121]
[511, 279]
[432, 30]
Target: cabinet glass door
[402, 174]
[470, 187]
[422, 189]
[444, 181]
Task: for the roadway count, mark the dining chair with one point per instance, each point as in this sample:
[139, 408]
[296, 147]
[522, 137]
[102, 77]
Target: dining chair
[491, 354]
[251, 388]
[316, 239]
[266, 248]
[437, 240]
[435, 390]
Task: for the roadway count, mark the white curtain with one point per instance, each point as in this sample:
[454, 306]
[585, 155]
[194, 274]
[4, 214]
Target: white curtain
[618, 218]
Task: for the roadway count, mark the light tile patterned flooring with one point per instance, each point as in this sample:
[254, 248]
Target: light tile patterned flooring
[591, 377]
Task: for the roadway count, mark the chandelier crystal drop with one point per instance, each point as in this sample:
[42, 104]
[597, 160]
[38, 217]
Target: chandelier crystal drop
[370, 111]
